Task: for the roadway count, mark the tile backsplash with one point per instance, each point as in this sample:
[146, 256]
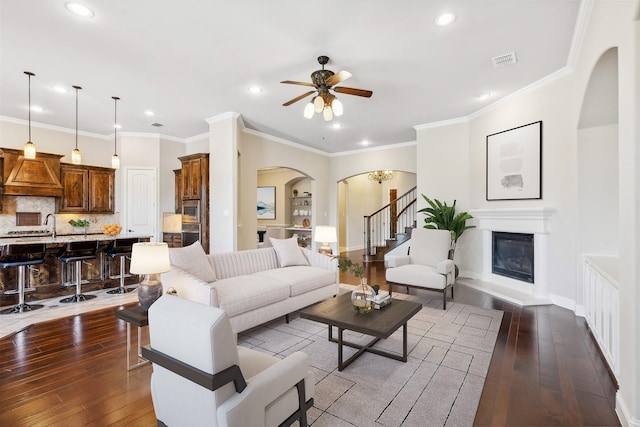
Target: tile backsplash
[47, 205]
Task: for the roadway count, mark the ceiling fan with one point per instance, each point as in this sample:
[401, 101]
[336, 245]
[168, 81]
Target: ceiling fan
[325, 102]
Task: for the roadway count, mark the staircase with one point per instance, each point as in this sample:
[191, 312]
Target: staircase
[381, 227]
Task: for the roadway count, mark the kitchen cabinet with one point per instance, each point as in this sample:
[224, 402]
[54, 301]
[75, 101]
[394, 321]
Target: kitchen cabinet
[86, 189]
[178, 191]
[195, 193]
[173, 240]
[195, 176]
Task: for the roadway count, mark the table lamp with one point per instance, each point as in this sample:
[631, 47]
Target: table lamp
[149, 259]
[325, 234]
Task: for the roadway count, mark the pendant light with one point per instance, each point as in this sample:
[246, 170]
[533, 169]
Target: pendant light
[115, 160]
[29, 147]
[76, 156]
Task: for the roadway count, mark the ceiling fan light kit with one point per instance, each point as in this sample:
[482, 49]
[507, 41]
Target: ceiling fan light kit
[325, 102]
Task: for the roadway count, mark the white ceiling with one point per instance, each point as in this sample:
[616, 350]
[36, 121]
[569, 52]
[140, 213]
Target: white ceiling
[191, 60]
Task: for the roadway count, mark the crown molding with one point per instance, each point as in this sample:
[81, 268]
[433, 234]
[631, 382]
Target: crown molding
[579, 32]
[442, 123]
[224, 116]
[376, 148]
[51, 127]
[284, 141]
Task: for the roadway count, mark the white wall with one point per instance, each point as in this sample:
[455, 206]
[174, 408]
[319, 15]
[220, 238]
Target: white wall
[598, 190]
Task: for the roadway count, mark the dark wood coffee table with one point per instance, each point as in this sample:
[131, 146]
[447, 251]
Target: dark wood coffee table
[380, 324]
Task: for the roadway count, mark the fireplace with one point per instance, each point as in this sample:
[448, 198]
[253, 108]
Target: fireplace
[535, 224]
[513, 255]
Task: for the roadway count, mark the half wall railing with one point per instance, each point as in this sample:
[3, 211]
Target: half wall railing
[384, 223]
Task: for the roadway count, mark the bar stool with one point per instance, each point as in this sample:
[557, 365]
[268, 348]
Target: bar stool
[120, 248]
[77, 252]
[21, 256]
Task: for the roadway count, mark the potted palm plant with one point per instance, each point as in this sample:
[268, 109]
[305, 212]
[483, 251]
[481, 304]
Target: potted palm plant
[441, 216]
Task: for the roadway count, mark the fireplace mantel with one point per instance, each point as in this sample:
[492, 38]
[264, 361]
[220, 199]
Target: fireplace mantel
[514, 220]
[536, 221]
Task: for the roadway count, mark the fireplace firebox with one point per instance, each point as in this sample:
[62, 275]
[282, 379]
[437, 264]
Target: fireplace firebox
[512, 255]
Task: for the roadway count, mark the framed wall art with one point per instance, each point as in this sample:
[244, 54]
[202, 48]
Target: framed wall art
[266, 202]
[514, 163]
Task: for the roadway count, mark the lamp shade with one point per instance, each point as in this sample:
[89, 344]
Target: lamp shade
[149, 258]
[325, 234]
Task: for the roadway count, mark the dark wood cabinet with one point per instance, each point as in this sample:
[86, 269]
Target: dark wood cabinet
[195, 172]
[195, 186]
[178, 190]
[174, 240]
[101, 194]
[86, 189]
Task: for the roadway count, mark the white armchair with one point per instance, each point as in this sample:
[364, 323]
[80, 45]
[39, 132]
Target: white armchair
[427, 266]
[201, 377]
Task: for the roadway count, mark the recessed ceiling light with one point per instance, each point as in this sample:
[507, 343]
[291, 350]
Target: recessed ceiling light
[79, 9]
[365, 142]
[336, 125]
[255, 89]
[36, 109]
[149, 113]
[484, 95]
[445, 19]
[59, 89]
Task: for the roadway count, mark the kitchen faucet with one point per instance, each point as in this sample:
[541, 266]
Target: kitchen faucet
[46, 220]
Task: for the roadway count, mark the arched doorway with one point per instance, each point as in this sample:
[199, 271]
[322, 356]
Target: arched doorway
[292, 213]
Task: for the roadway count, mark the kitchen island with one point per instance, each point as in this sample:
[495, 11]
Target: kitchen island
[48, 278]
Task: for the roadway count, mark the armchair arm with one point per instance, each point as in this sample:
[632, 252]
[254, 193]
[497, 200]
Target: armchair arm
[248, 408]
[204, 379]
[447, 268]
[397, 261]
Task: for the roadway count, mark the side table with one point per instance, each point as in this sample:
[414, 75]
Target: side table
[139, 317]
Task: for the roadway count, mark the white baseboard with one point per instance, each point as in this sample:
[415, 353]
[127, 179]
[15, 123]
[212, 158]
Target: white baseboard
[626, 420]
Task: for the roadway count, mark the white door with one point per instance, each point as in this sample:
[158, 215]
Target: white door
[141, 201]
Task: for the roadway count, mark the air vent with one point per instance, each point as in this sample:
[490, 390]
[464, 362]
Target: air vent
[158, 125]
[504, 60]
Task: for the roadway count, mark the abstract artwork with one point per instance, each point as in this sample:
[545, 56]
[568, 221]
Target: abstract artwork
[514, 163]
[266, 202]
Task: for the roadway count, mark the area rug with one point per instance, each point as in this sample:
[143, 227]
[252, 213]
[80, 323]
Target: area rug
[439, 385]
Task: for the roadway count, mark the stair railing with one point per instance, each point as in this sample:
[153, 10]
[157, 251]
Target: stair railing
[384, 223]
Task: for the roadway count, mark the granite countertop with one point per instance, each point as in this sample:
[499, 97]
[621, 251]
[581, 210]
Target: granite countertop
[69, 238]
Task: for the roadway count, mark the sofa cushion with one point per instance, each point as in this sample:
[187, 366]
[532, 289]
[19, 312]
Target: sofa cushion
[416, 275]
[237, 295]
[193, 260]
[301, 278]
[288, 252]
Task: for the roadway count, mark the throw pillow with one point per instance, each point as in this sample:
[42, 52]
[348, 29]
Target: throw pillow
[288, 252]
[193, 260]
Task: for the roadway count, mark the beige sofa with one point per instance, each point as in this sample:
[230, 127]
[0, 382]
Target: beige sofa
[253, 286]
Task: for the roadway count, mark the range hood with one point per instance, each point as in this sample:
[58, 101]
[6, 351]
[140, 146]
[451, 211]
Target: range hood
[30, 177]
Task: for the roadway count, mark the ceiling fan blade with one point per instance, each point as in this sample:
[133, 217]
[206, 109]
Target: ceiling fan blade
[292, 82]
[352, 91]
[298, 98]
[338, 77]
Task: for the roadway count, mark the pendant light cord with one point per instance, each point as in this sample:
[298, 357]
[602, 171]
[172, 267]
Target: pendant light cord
[115, 124]
[29, 74]
[76, 87]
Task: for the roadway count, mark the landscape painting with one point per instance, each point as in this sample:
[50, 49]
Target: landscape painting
[266, 202]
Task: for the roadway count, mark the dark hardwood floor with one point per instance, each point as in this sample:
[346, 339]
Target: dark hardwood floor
[545, 370]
